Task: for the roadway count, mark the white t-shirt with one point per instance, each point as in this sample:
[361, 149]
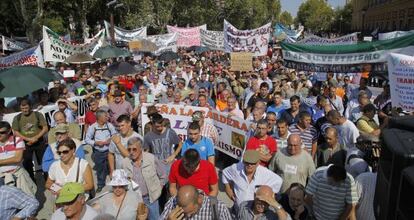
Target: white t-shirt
[57, 174]
[90, 214]
[348, 134]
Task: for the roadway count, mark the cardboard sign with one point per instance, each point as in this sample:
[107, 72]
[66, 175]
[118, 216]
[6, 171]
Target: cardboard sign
[241, 61]
[68, 73]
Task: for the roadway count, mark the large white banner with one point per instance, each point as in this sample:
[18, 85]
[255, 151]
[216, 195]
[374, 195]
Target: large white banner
[126, 35]
[316, 40]
[401, 77]
[232, 130]
[13, 45]
[212, 39]
[255, 41]
[164, 42]
[393, 34]
[29, 57]
[187, 37]
[57, 50]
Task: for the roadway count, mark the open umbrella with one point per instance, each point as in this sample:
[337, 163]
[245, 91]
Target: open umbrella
[200, 50]
[168, 56]
[111, 52]
[80, 58]
[22, 80]
[119, 68]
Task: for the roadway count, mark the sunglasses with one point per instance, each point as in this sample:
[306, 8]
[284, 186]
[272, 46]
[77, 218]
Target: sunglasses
[63, 152]
[249, 164]
[132, 149]
[4, 132]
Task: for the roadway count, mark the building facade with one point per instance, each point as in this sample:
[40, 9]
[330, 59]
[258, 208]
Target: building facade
[386, 15]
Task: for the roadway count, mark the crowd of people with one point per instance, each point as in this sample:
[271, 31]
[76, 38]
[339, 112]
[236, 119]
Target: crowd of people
[301, 159]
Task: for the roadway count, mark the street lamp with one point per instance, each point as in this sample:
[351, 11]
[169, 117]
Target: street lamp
[111, 18]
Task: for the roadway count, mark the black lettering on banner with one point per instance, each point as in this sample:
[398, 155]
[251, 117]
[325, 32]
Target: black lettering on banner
[55, 48]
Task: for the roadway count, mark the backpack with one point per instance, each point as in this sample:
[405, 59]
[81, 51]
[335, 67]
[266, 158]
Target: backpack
[19, 117]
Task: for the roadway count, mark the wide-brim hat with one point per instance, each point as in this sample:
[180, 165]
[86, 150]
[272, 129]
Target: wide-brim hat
[119, 178]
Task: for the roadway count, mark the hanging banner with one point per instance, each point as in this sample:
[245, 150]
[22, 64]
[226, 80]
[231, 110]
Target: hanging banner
[29, 57]
[255, 41]
[13, 45]
[401, 77]
[241, 61]
[345, 58]
[394, 34]
[281, 32]
[232, 130]
[57, 50]
[187, 37]
[142, 45]
[126, 35]
[316, 40]
[164, 42]
[214, 40]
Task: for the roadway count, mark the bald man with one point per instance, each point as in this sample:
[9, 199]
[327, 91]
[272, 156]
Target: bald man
[263, 207]
[331, 152]
[191, 203]
[292, 163]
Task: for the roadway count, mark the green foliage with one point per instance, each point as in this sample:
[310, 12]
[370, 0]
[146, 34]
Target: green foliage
[56, 24]
[286, 18]
[343, 19]
[316, 15]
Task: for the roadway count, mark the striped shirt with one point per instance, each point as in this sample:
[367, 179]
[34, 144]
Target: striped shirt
[329, 201]
[16, 203]
[281, 142]
[308, 136]
[365, 184]
[8, 150]
[209, 131]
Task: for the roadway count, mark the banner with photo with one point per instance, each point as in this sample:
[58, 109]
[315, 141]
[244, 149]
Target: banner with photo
[13, 45]
[49, 110]
[394, 34]
[214, 40]
[126, 35]
[232, 130]
[187, 37]
[164, 42]
[345, 58]
[29, 57]
[316, 40]
[255, 41]
[401, 76]
[57, 50]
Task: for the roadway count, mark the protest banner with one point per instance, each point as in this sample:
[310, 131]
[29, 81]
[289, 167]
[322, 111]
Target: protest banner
[345, 58]
[29, 57]
[281, 32]
[49, 110]
[394, 34]
[214, 40]
[57, 50]
[164, 42]
[316, 40]
[187, 37]
[401, 76]
[126, 35]
[255, 41]
[241, 61]
[143, 45]
[232, 130]
[13, 45]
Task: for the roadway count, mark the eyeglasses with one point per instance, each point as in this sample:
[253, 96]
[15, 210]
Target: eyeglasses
[63, 152]
[132, 149]
[249, 164]
[4, 132]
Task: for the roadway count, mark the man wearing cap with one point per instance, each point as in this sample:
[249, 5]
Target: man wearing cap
[241, 179]
[51, 155]
[68, 108]
[119, 107]
[206, 129]
[202, 144]
[73, 205]
[60, 118]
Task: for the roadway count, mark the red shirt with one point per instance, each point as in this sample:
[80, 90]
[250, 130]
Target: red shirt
[201, 179]
[269, 144]
[90, 117]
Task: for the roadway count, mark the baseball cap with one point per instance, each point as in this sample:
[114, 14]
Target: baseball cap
[62, 128]
[251, 156]
[69, 192]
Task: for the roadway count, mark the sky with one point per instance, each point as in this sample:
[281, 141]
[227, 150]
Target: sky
[292, 6]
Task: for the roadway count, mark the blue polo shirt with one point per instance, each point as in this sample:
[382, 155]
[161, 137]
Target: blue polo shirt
[205, 147]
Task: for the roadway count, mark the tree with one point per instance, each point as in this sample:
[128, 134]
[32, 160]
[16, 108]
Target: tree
[286, 18]
[316, 15]
[31, 13]
[343, 19]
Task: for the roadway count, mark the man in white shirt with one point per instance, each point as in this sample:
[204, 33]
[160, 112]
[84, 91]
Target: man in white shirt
[241, 179]
[348, 133]
[156, 87]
